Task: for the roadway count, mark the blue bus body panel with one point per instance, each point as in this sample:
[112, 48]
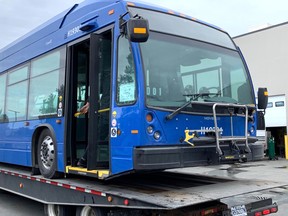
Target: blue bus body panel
[16, 139]
[122, 146]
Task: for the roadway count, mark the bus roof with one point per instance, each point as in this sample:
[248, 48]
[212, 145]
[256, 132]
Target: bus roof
[74, 16]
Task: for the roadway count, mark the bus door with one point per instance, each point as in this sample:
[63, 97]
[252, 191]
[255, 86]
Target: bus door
[89, 82]
[100, 94]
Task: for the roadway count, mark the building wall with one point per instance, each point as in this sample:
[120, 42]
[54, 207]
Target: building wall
[266, 54]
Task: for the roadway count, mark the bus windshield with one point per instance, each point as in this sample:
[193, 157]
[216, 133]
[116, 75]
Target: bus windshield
[178, 69]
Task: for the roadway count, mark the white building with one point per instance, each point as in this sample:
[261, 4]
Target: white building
[266, 54]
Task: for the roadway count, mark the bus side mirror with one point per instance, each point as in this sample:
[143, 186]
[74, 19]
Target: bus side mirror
[262, 98]
[137, 29]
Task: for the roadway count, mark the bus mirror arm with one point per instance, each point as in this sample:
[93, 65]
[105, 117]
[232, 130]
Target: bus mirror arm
[122, 23]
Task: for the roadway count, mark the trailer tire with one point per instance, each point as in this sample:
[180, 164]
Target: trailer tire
[46, 155]
[89, 211]
[58, 210]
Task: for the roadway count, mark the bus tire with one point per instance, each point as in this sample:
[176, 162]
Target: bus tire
[46, 155]
[58, 210]
[89, 211]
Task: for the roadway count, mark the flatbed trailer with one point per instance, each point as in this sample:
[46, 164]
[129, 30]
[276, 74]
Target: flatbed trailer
[161, 193]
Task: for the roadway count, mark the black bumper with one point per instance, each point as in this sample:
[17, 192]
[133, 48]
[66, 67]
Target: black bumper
[167, 157]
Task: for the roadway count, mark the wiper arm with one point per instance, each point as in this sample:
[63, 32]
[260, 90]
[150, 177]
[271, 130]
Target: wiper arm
[194, 97]
[175, 112]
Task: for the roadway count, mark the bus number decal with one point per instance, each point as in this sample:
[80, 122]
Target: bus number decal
[73, 31]
[155, 91]
[204, 129]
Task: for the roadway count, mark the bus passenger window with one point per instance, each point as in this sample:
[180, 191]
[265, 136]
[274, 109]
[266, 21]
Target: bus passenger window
[126, 87]
[17, 94]
[45, 84]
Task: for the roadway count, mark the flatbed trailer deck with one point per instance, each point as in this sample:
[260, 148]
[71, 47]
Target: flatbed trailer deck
[165, 192]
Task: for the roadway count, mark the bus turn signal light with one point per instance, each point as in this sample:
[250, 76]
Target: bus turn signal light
[149, 117]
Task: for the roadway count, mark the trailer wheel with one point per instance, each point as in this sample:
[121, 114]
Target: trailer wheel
[88, 211]
[58, 210]
[46, 155]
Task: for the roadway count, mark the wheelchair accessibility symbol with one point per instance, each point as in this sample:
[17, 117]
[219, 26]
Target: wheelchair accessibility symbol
[113, 132]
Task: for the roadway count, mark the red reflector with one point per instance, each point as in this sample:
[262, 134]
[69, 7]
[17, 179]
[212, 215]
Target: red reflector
[126, 202]
[258, 214]
[273, 210]
[266, 212]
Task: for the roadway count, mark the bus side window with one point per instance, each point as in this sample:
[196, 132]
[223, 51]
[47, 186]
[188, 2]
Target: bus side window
[16, 101]
[126, 86]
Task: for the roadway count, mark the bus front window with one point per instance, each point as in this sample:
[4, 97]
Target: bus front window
[178, 69]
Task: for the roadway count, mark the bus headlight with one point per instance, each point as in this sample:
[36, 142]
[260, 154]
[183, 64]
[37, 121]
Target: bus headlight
[157, 135]
[149, 129]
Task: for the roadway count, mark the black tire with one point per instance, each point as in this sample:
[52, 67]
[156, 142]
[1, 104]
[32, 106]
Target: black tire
[46, 155]
[58, 210]
[91, 211]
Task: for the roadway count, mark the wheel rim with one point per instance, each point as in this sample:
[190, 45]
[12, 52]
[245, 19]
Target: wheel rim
[47, 152]
[53, 210]
[87, 211]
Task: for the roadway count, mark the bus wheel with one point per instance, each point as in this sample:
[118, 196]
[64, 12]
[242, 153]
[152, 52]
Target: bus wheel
[88, 211]
[58, 210]
[46, 155]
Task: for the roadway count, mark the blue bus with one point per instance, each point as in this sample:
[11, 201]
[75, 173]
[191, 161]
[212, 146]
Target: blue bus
[165, 90]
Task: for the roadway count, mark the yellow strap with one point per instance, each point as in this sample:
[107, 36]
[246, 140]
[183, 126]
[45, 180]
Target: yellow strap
[77, 114]
[99, 111]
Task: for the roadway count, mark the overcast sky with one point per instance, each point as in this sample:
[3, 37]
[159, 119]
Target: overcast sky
[17, 17]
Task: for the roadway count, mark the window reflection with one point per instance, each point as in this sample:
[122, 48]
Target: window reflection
[43, 94]
[126, 87]
[179, 69]
[45, 85]
[17, 101]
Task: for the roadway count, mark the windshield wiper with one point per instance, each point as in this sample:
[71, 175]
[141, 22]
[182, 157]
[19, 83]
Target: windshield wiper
[194, 97]
[175, 112]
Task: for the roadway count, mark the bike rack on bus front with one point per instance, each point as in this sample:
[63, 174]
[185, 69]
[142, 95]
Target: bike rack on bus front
[232, 137]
